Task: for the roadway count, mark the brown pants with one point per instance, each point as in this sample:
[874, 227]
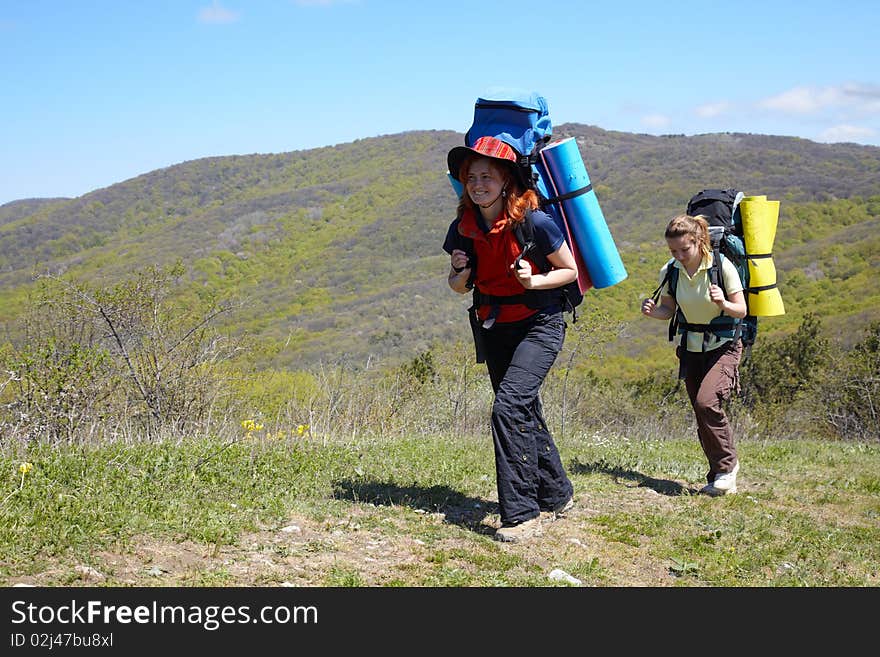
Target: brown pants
[710, 377]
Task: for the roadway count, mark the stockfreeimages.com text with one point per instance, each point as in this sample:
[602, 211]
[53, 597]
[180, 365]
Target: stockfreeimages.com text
[211, 617]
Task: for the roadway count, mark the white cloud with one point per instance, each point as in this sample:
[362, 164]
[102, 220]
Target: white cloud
[810, 100]
[851, 133]
[655, 121]
[866, 98]
[711, 110]
[217, 14]
[800, 100]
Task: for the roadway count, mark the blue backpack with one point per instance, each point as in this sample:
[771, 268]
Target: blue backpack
[523, 122]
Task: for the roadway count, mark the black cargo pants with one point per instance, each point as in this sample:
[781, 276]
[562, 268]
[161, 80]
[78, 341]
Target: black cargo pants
[529, 471]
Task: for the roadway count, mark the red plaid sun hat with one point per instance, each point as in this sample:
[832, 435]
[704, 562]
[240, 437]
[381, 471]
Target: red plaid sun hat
[486, 146]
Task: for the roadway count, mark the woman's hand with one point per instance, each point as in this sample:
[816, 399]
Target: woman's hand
[563, 270]
[523, 273]
[735, 306]
[460, 272]
[460, 261]
[663, 310]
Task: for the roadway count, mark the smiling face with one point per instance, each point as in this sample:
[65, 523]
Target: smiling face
[685, 249]
[484, 182]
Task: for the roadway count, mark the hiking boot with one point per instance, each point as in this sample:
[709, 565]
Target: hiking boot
[558, 511]
[561, 508]
[520, 532]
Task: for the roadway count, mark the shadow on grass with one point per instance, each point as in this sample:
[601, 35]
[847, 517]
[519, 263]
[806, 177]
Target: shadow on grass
[662, 486]
[457, 508]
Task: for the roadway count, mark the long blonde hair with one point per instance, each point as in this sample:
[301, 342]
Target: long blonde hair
[517, 200]
[694, 227]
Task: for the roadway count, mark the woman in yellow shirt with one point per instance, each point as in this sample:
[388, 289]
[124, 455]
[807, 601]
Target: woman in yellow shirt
[710, 362]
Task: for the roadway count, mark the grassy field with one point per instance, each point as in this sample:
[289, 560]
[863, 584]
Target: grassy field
[421, 512]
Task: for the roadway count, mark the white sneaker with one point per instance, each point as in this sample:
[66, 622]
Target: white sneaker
[725, 483]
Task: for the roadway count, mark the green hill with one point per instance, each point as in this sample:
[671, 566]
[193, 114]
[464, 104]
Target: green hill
[335, 251]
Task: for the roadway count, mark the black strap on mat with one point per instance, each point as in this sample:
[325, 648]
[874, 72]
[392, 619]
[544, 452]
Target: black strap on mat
[570, 195]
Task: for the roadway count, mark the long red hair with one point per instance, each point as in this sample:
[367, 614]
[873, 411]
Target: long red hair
[517, 201]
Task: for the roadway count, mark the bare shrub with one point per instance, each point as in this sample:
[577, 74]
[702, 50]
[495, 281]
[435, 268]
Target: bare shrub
[93, 361]
[850, 398]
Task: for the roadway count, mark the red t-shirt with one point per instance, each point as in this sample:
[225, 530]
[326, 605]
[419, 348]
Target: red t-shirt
[496, 252]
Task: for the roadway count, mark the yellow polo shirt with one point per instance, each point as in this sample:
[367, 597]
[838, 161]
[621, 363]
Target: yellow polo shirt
[692, 296]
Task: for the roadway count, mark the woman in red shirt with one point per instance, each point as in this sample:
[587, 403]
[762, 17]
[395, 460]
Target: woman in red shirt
[519, 330]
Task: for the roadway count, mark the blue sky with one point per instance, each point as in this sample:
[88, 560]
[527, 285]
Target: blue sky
[95, 92]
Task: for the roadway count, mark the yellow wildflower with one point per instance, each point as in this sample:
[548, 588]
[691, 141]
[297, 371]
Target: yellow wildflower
[250, 425]
[24, 468]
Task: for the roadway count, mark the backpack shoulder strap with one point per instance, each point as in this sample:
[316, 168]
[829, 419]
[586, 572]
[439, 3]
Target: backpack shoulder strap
[525, 235]
[525, 231]
[671, 277]
[467, 245]
[715, 275]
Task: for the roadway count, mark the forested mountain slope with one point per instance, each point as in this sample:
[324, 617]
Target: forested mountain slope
[336, 251]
